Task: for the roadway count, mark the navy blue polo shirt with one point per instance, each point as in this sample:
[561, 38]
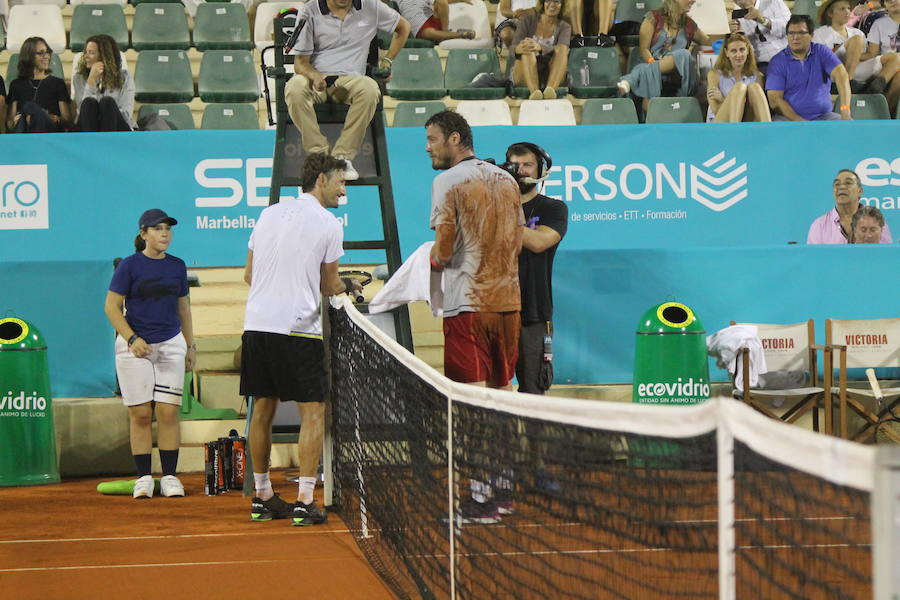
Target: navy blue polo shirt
[806, 83]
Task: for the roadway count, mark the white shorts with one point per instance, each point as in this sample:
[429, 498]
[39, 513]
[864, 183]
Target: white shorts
[159, 377]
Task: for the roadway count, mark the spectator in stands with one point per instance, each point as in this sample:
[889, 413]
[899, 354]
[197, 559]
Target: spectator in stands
[2, 106]
[764, 23]
[430, 19]
[541, 51]
[506, 29]
[836, 226]
[104, 90]
[665, 40]
[734, 84]
[38, 101]
[799, 79]
[867, 226]
[884, 45]
[603, 12]
[848, 43]
[331, 52]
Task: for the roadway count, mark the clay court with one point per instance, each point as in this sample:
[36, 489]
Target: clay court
[68, 541]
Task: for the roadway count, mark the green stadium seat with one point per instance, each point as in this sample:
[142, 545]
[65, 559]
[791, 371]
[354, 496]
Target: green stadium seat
[178, 116]
[12, 69]
[608, 111]
[807, 7]
[417, 75]
[2, 35]
[219, 26]
[866, 107]
[91, 19]
[674, 110]
[163, 76]
[136, 2]
[414, 114]
[463, 64]
[228, 76]
[229, 116]
[603, 72]
[160, 26]
[633, 10]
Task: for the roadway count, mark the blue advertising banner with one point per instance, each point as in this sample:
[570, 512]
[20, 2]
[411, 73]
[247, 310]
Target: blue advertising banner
[705, 214]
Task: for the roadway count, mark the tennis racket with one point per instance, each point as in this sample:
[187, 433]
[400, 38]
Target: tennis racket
[362, 277]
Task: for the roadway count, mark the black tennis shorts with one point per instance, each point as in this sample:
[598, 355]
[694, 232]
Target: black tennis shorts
[280, 366]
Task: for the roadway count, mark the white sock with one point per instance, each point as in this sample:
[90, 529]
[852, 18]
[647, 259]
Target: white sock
[480, 490]
[307, 485]
[263, 486]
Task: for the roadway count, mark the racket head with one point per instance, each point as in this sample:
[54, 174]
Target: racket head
[363, 277]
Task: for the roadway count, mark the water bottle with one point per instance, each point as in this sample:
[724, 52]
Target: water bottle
[585, 73]
[548, 348]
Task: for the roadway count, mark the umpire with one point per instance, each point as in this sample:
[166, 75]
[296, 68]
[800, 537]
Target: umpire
[546, 220]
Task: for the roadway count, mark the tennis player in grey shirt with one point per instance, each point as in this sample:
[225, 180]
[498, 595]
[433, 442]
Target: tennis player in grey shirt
[331, 52]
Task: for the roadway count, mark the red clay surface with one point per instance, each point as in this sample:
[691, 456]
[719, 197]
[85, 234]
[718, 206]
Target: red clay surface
[68, 541]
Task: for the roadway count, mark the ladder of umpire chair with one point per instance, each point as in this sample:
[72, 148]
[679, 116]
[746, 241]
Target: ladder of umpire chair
[334, 114]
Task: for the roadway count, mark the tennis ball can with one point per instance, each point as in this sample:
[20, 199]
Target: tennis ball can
[27, 436]
[670, 363]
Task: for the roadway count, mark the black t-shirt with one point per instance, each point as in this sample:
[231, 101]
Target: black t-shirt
[536, 269]
[47, 93]
[2, 88]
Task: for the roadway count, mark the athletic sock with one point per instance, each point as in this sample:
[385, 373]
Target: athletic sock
[307, 485]
[263, 486]
[142, 464]
[169, 460]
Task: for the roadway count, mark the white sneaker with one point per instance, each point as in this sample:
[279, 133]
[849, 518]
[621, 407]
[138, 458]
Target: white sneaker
[143, 487]
[170, 486]
[350, 173]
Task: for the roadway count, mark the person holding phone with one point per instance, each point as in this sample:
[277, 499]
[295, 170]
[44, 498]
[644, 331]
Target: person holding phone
[764, 22]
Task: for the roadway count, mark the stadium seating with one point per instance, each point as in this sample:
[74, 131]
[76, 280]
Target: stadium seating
[265, 19]
[417, 75]
[12, 69]
[674, 110]
[228, 76]
[43, 20]
[121, 3]
[807, 7]
[2, 35]
[608, 111]
[59, 3]
[220, 26]
[603, 72]
[178, 116]
[633, 10]
[866, 107]
[463, 65]
[160, 26]
[92, 19]
[546, 112]
[136, 2]
[485, 112]
[472, 16]
[414, 114]
[163, 76]
[229, 116]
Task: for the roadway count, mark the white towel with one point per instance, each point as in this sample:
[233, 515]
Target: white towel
[413, 281]
[725, 344]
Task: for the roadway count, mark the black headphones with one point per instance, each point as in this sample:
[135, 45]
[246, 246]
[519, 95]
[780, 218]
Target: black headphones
[545, 163]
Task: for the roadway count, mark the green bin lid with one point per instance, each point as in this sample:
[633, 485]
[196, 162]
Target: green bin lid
[16, 334]
[670, 317]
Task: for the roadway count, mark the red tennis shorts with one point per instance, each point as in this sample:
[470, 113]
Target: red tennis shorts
[481, 346]
[432, 23]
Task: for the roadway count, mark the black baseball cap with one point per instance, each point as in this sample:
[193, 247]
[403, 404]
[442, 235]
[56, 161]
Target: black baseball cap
[154, 217]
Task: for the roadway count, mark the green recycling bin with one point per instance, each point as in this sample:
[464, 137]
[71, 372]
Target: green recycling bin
[27, 437]
[670, 363]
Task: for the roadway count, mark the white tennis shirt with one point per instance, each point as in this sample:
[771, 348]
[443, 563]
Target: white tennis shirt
[290, 242]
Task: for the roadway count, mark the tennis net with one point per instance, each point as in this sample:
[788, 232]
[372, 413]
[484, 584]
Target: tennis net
[599, 500]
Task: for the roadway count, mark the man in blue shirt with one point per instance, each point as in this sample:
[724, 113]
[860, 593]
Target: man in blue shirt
[798, 82]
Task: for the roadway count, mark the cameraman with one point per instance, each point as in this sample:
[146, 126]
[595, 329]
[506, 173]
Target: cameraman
[546, 220]
[764, 22]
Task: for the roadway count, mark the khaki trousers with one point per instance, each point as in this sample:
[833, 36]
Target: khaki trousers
[359, 91]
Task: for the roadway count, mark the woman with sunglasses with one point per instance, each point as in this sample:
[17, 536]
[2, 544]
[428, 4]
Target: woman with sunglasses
[38, 100]
[734, 85]
[541, 50]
